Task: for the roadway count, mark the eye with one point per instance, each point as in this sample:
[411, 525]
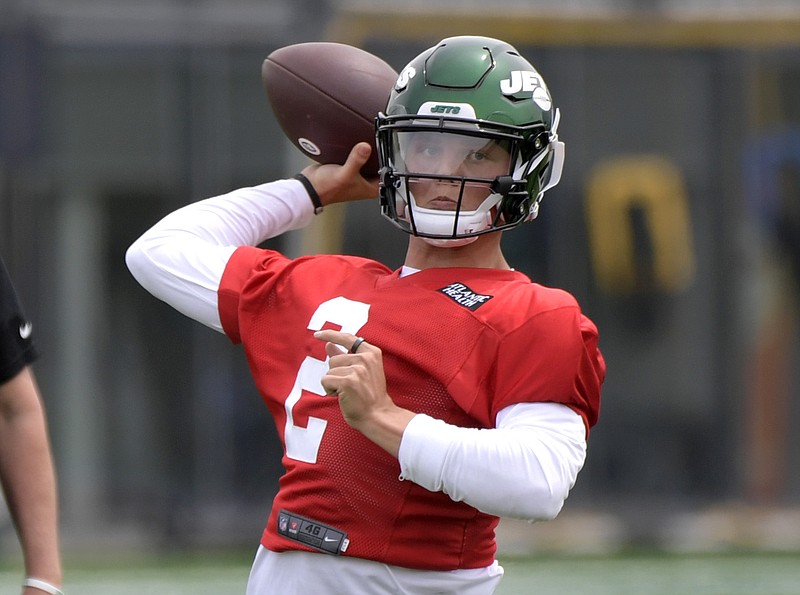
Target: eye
[425, 149]
[430, 151]
[477, 156]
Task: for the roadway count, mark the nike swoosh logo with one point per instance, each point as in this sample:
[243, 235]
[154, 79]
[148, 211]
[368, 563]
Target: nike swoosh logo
[25, 330]
[329, 539]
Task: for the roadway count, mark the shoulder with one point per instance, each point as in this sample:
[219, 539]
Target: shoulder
[555, 314]
[558, 344]
[16, 343]
[257, 271]
[258, 260]
[530, 318]
[546, 299]
[519, 302]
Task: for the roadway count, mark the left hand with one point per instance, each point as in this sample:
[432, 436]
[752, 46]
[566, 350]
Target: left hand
[358, 380]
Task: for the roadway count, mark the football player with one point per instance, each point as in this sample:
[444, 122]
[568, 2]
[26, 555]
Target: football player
[416, 406]
[26, 465]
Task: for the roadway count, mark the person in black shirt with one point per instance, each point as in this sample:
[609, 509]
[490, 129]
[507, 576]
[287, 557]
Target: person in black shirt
[26, 464]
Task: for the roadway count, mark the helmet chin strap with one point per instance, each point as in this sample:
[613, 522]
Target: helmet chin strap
[438, 242]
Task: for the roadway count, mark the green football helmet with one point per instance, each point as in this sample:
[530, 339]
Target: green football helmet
[480, 96]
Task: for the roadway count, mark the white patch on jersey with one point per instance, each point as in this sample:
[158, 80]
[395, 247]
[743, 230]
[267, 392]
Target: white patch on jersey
[464, 296]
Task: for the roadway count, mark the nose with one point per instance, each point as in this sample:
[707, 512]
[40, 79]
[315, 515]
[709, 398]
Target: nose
[451, 163]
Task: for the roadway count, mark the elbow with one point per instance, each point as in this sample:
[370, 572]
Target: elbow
[543, 504]
[136, 259]
[547, 486]
[551, 475]
[548, 508]
[144, 259]
[530, 499]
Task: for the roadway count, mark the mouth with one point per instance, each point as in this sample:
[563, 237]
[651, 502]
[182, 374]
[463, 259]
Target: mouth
[442, 203]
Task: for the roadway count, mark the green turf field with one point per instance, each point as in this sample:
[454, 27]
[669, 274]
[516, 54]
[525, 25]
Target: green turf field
[639, 574]
[655, 574]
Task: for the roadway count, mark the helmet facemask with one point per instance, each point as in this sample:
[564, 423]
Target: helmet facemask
[447, 180]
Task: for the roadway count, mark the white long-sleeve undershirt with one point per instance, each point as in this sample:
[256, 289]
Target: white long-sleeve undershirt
[522, 468]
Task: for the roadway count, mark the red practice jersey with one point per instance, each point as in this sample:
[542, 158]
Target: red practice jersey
[458, 344]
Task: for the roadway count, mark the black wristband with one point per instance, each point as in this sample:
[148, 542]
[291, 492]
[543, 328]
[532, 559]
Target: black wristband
[312, 193]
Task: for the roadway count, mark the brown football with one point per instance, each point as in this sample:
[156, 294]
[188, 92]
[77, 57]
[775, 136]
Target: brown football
[325, 97]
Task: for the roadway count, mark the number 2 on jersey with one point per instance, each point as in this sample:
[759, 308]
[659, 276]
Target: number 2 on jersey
[302, 443]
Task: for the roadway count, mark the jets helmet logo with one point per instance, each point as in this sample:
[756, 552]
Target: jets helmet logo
[527, 81]
[402, 81]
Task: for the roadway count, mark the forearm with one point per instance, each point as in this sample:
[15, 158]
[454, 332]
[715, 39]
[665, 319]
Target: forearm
[28, 477]
[524, 468]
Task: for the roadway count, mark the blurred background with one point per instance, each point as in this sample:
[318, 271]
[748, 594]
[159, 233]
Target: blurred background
[676, 225]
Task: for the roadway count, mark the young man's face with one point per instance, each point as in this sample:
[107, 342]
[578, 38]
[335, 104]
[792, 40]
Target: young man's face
[452, 155]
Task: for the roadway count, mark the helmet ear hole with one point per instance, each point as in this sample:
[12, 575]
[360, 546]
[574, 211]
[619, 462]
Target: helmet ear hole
[533, 145]
[515, 207]
[512, 205]
[516, 200]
